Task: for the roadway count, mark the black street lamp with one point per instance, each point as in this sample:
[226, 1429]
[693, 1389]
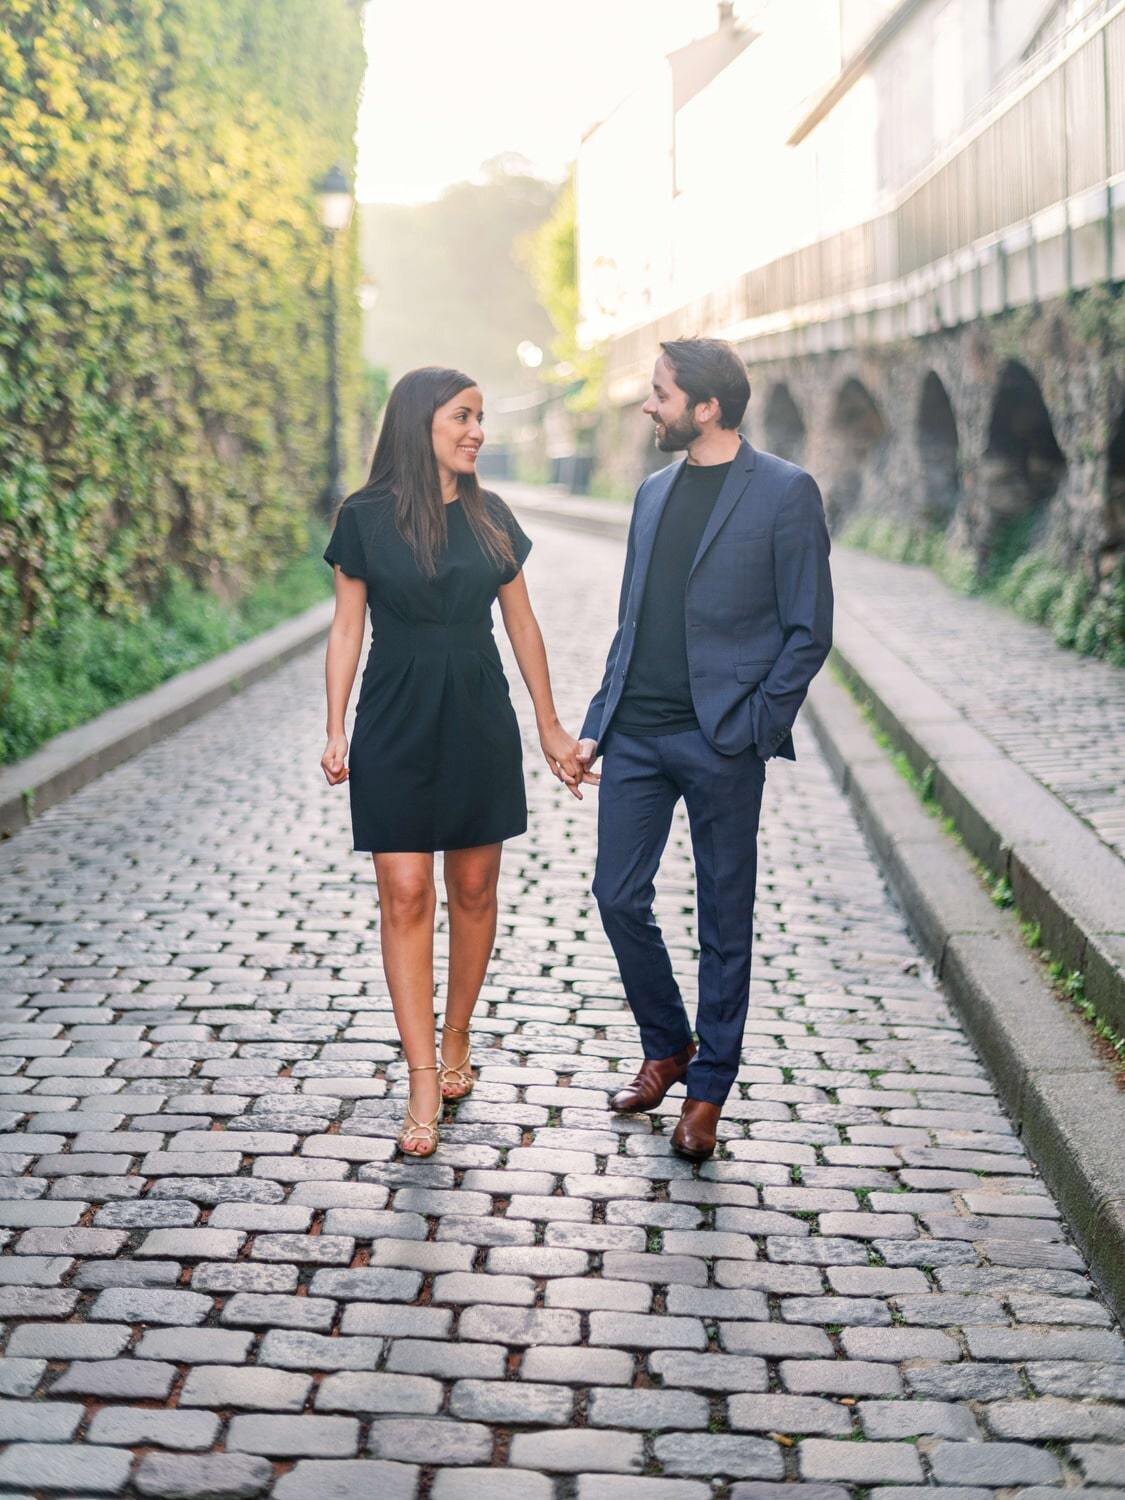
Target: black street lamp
[334, 207]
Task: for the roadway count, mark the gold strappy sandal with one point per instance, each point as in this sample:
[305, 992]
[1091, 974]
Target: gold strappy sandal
[462, 1074]
[413, 1127]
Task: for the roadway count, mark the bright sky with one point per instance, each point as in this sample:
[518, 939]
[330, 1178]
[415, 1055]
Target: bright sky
[451, 84]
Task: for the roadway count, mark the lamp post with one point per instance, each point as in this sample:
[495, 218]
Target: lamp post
[334, 208]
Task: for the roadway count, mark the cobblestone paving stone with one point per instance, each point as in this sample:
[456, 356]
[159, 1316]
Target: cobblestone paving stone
[217, 1280]
[1059, 715]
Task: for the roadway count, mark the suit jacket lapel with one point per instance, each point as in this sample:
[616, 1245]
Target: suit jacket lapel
[742, 467]
[648, 522]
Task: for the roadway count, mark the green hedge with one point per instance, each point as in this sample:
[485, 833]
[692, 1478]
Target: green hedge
[162, 295]
[87, 662]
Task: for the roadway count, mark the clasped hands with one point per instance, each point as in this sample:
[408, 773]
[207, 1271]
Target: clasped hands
[569, 759]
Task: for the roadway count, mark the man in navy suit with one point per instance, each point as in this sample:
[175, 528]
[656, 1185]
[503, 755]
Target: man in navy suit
[725, 618]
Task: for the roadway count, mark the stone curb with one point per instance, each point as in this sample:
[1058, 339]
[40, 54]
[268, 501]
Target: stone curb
[1062, 875]
[1061, 1097]
[72, 759]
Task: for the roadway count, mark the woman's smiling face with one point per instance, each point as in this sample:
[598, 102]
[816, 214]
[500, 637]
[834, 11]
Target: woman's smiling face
[457, 432]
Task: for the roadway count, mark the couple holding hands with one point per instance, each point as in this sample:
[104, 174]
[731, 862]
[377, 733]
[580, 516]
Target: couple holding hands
[724, 619]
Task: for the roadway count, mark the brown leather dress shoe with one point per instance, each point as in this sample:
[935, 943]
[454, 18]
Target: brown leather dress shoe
[656, 1077]
[694, 1136]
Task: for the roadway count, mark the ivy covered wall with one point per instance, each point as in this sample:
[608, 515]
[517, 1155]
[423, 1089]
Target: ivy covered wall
[163, 360]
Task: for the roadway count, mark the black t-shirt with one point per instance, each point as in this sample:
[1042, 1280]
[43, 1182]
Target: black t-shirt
[657, 696]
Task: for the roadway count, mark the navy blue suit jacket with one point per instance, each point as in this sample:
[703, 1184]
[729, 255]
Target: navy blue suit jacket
[758, 606]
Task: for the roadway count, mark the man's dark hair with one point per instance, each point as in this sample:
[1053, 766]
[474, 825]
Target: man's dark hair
[710, 368]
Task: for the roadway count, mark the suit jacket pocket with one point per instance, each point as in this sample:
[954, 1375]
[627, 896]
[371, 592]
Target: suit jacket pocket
[751, 671]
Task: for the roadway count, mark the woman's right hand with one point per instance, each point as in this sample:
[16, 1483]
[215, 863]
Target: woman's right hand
[334, 760]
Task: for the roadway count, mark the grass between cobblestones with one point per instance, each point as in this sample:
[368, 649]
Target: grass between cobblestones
[1069, 985]
[88, 663]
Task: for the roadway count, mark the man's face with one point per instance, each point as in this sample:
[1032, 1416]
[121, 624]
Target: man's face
[669, 409]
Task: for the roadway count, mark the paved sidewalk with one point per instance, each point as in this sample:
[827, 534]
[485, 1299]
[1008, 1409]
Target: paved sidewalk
[1059, 715]
[219, 1282]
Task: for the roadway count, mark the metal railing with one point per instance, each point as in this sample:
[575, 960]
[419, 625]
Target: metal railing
[1061, 133]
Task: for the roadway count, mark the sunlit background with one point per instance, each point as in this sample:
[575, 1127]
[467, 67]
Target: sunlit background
[227, 232]
[450, 86]
[469, 124]
[907, 215]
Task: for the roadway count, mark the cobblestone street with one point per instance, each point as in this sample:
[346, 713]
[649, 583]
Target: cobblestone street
[219, 1281]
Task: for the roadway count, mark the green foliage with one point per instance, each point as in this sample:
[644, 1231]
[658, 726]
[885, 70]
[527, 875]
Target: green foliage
[1069, 984]
[376, 387]
[602, 487]
[1084, 618]
[1012, 331]
[891, 539]
[1010, 544]
[1035, 584]
[551, 256]
[1099, 316]
[86, 662]
[532, 469]
[1000, 891]
[162, 293]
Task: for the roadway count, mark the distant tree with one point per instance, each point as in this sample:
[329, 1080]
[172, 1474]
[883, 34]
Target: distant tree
[551, 256]
[375, 387]
[451, 291]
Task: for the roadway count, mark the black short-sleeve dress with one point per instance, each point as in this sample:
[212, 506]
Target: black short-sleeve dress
[435, 760]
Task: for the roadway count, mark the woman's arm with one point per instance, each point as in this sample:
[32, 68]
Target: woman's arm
[345, 642]
[559, 747]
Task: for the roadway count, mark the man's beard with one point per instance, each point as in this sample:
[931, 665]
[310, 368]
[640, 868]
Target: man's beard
[677, 435]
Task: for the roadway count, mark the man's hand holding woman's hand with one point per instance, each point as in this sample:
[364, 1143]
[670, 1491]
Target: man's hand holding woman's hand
[334, 760]
[560, 750]
[587, 754]
[569, 759]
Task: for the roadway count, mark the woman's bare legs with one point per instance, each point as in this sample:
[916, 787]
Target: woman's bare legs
[471, 877]
[407, 902]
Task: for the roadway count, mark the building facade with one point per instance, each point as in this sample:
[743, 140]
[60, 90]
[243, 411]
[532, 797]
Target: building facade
[909, 215]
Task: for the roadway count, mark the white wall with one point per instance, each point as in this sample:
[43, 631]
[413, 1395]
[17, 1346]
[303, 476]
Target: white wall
[654, 238]
[624, 195]
[745, 196]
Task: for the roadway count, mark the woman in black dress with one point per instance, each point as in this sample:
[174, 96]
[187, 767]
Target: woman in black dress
[436, 759]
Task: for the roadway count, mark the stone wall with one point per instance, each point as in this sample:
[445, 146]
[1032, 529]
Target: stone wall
[1006, 435]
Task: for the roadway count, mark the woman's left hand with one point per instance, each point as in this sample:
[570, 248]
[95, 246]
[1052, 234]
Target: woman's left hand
[560, 750]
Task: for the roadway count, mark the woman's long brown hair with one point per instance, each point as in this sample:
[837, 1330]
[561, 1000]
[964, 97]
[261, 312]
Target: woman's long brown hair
[406, 465]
